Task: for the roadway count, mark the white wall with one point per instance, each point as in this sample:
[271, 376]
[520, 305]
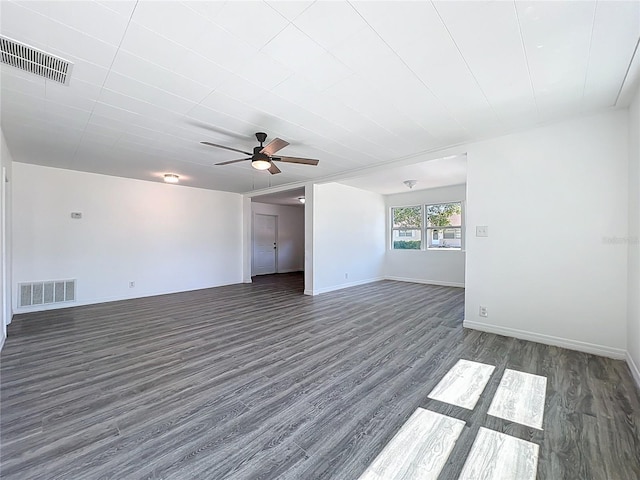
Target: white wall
[348, 236]
[555, 200]
[166, 238]
[290, 226]
[6, 163]
[633, 328]
[438, 267]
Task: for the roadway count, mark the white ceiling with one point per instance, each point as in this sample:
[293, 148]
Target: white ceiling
[353, 84]
[288, 197]
[442, 172]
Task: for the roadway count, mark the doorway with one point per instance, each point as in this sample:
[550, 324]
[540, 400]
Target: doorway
[265, 247]
[281, 215]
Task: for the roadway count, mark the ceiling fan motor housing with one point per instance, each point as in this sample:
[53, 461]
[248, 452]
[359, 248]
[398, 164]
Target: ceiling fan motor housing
[257, 155]
[261, 136]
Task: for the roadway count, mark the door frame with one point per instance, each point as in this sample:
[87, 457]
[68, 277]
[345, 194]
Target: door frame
[6, 299]
[253, 241]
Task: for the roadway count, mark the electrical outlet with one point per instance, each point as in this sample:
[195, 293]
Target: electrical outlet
[483, 311]
[132, 284]
[346, 275]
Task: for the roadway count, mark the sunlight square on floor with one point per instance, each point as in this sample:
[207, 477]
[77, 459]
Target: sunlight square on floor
[463, 384]
[497, 456]
[520, 398]
[419, 450]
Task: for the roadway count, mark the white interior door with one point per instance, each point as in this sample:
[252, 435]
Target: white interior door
[264, 244]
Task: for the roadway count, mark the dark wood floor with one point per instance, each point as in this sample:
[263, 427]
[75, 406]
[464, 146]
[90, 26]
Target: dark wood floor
[259, 381]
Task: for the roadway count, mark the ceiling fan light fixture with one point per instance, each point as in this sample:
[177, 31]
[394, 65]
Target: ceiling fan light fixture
[410, 183]
[261, 164]
[171, 178]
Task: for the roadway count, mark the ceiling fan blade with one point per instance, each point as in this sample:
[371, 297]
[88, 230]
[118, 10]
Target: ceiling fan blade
[233, 161]
[273, 146]
[273, 169]
[226, 148]
[303, 161]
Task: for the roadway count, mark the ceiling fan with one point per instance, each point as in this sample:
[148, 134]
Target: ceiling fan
[262, 157]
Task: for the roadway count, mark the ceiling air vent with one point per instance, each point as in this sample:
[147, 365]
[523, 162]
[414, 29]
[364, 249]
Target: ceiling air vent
[35, 61]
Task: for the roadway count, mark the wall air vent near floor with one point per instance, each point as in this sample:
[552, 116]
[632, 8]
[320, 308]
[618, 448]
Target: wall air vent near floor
[44, 293]
[35, 61]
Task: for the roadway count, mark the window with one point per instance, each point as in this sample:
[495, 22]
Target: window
[440, 224]
[406, 227]
[444, 226]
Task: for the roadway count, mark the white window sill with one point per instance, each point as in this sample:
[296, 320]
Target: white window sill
[427, 250]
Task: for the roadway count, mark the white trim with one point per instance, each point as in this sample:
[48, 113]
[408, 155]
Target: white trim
[6, 299]
[291, 270]
[426, 282]
[635, 371]
[602, 350]
[247, 240]
[309, 262]
[2, 342]
[344, 285]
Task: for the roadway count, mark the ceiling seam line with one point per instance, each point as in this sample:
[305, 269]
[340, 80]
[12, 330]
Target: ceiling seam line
[444, 106]
[233, 35]
[25, 6]
[165, 68]
[75, 153]
[586, 73]
[206, 59]
[626, 74]
[313, 113]
[465, 61]
[526, 58]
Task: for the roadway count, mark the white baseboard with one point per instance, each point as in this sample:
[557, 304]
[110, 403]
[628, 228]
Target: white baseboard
[635, 371]
[332, 288]
[427, 282]
[308, 292]
[2, 342]
[602, 350]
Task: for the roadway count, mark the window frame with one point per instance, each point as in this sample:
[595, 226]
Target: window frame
[424, 230]
[441, 230]
[398, 229]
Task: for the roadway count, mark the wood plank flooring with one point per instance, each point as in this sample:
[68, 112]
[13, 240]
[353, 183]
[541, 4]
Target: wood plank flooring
[463, 384]
[520, 398]
[257, 381]
[496, 456]
[419, 450]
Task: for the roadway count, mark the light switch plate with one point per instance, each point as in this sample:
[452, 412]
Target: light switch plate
[482, 231]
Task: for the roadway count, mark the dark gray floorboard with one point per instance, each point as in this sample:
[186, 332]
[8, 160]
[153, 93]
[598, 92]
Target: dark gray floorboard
[257, 381]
